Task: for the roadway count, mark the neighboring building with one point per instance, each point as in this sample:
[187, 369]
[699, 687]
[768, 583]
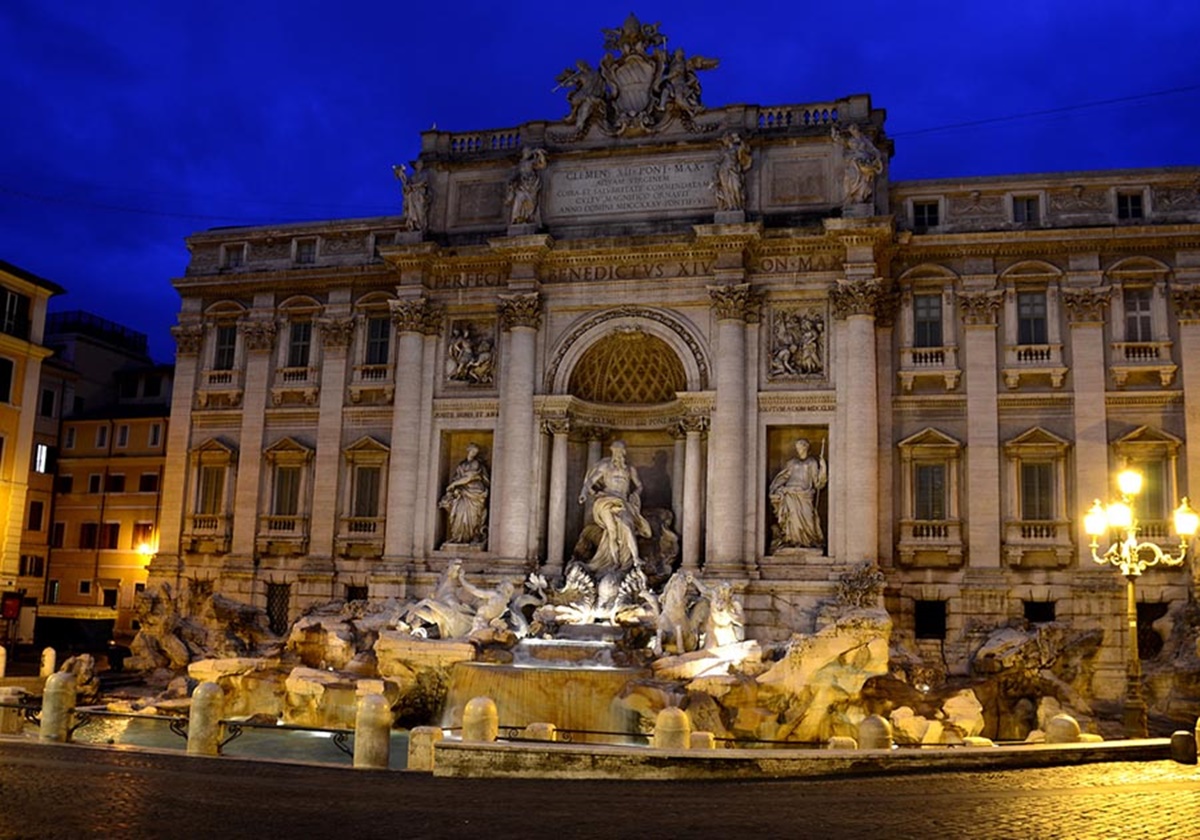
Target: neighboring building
[23, 300]
[973, 356]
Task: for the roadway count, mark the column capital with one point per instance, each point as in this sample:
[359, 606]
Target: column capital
[1186, 300]
[521, 310]
[258, 335]
[336, 332]
[417, 315]
[737, 302]
[188, 338]
[980, 309]
[556, 426]
[692, 423]
[1086, 306]
[857, 297]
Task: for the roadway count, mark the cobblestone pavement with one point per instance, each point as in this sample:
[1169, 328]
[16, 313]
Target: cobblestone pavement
[52, 791]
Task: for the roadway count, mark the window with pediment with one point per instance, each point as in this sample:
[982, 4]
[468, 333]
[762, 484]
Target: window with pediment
[1037, 529]
[212, 474]
[1032, 325]
[927, 330]
[930, 523]
[372, 381]
[364, 497]
[296, 373]
[1141, 351]
[220, 382]
[283, 526]
[1155, 454]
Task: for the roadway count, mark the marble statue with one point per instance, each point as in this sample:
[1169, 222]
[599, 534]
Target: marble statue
[468, 358]
[793, 493]
[864, 162]
[525, 188]
[724, 623]
[797, 348]
[678, 86]
[587, 94]
[465, 501]
[730, 186]
[615, 492]
[675, 618]
[415, 188]
[445, 610]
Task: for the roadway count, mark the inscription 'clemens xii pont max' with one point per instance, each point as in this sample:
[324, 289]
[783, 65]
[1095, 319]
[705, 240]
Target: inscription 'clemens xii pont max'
[633, 188]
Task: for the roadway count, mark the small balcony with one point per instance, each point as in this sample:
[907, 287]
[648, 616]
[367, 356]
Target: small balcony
[930, 543]
[1038, 543]
[208, 533]
[929, 362]
[1023, 361]
[219, 389]
[282, 535]
[372, 385]
[360, 536]
[1141, 359]
[295, 386]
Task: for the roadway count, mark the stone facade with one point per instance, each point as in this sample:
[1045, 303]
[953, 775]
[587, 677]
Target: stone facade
[972, 357]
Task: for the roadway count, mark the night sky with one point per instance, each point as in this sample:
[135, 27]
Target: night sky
[130, 124]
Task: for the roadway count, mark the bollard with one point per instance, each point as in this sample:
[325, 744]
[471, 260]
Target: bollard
[541, 732]
[702, 741]
[12, 719]
[3, 661]
[372, 732]
[481, 721]
[874, 733]
[1062, 729]
[204, 720]
[1183, 747]
[1198, 735]
[58, 707]
[841, 742]
[672, 730]
[421, 740]
[49, 663]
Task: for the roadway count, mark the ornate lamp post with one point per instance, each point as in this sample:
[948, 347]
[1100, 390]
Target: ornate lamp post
[1132, 558]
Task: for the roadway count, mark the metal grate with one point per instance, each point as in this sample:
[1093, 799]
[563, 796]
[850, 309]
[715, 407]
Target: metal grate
[279, 596]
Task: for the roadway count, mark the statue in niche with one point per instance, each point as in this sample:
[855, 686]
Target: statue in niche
[525, 188]
[863, 164]
[465, 501]
[730, 186]
[794, 493]
[615, 491]
[469, 359]
[797, 347]
[415, 188]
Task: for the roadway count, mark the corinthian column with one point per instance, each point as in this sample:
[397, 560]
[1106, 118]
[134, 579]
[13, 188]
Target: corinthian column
[556, 511]
[520, 317]
[854, 304]
[414, 319]
[732, 306]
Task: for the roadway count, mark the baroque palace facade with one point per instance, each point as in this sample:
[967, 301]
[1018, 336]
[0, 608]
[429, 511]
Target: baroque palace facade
[969, 361]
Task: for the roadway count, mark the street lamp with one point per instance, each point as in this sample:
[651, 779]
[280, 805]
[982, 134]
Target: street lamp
[1132, 558]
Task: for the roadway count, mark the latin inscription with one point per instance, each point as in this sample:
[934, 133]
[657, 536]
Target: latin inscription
[627, 271]
[633, 188]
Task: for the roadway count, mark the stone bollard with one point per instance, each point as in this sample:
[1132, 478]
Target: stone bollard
[702, 741]
[672, 730]
[1183, 747]
[3, 661]
[1198, 735]
[1062, 729]
[204, 720]
[58, 707]
[541, 732]
[481, 721]
[874, 733]
[841, 742]
[12, 720]
[372, 732]
[421, 740]
[49, 663]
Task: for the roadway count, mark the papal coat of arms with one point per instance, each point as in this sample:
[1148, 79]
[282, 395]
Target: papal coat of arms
[639, 87]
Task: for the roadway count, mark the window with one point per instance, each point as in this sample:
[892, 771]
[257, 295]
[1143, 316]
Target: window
[152, 386]
[37, 510]
[224, 346]
[929, 619]
[32, 565]
[356, 593]
[122, 435]
[1137, 315]
[367, 481]
[109, 596]
[43, 458]
[234, 255]
[64, 484]
[14, 313]
[148, 483]
[143, 535]
[6, 380]
[929, 494]
[52, 590]
[1031, 318]
[46, 405]
[210, 498]
[110, 535]
[89, 535]
[154, 436]
[378, 337]
[1037, 491]
[69, 438]
[1129, 205]
[1039, 612]
[306, 251]
[1025, 209]
[94, 483]
[927, 320]
[58, 534]
[85, 587]
[101, 437]
[114, 483]
[299, 343]
[925, 214]
[285, 491]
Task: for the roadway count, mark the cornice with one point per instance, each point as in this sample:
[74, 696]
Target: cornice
[781, 402]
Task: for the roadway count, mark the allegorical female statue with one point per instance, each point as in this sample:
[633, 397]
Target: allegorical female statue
[465, 501]
[793, 496]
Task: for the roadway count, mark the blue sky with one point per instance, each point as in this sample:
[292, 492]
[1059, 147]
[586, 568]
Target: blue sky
[132, 124]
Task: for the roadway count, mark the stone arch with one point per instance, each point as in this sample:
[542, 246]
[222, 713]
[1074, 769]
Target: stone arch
[927, 274]
[225, 310]
[679, 337]
[1030, 271]
[1139, 267]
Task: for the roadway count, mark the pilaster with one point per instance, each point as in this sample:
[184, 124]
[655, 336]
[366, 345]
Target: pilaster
[980, 312]
[258, 338]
